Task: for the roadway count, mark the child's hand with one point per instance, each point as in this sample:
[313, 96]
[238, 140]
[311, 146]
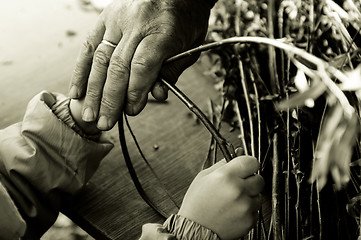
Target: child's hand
[75, 107]
[225, 197]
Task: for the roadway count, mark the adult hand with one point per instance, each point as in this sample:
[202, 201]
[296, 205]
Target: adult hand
[225, 197]
[144, 34]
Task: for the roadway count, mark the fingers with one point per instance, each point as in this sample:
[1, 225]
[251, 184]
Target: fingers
[160, 91]
[98, 74]
[96, 81]
[80, 75]
[170, 72]
[145, 67]
[243, 166]
[116, 83]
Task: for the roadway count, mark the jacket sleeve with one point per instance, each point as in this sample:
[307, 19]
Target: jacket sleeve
[43, 160]
[177, 227]
[185, 229]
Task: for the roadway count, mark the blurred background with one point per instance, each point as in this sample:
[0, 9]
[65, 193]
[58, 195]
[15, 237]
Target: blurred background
[39, 44]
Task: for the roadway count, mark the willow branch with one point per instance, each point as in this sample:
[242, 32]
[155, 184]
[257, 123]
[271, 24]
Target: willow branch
[241, 129]
[321, 66]
[258, 109]
[226, 148]
[248, 104]
[276, 213]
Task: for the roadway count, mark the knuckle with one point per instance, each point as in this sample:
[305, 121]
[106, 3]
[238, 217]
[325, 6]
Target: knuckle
[101, 58]
[109, 103]
[92, 94]
[118, 66]
[77, 77]
[145, 6]
[142, 64]
[95, 87]
[77, 73]
[88, 47]
[134, 95]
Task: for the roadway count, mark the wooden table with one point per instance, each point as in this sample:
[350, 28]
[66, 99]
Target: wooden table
[110, 206]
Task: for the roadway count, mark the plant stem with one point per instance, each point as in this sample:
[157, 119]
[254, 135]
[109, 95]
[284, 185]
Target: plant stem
[237, 19]
[312, 25]
[276, 215]
[297, 209]
[226, 148]
[319, 209]
[321, 65]
[287, 183]
[275, 88]
[258, 114]
[241, 128]
[311, 208]
[271, 51]
[248, 104]
[288, 148]
[313, 164]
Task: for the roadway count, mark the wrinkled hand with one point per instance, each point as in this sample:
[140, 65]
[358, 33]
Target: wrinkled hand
[225, 197]
[146, 33]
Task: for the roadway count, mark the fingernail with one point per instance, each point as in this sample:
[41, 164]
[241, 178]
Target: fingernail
[73, 93]
[88, 115]
[103, 123]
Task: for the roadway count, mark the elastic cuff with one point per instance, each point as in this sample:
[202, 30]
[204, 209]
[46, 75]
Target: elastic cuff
[62, 111]
[185, 229]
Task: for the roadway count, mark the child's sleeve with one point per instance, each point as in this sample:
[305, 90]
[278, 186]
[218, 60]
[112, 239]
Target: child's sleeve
[177, 227]
[43, 160]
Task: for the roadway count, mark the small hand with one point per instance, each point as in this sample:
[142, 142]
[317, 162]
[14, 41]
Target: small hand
[225, 197]
[144, 34]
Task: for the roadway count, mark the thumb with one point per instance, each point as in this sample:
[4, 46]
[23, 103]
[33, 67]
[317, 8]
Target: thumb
[171, 72]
